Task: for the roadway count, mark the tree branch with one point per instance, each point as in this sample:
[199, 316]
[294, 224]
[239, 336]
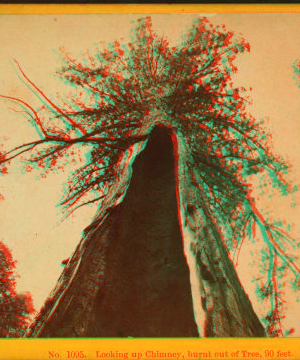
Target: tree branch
[268, 237]
[32, 113]
[76, 126]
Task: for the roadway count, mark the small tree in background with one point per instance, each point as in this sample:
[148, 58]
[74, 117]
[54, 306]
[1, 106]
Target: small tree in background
[296, 68]
[15, 309]
[120, 94]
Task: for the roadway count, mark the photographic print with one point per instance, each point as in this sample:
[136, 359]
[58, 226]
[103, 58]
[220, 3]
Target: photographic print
[149, 173]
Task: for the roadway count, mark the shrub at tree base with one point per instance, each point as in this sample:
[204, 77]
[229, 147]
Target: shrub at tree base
[15, 309]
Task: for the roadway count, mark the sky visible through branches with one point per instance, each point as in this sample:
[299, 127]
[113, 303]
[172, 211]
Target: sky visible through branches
[223, 121]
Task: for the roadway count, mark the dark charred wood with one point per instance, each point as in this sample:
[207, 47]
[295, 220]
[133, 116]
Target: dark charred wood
[133, 278]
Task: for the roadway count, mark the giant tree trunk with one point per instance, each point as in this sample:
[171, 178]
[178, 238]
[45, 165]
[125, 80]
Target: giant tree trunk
[129, 275]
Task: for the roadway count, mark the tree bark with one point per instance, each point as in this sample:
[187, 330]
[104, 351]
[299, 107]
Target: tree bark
[228, 310]
[129, 275]
[133, 278]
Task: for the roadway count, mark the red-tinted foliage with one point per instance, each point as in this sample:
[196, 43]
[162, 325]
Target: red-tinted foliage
[15, 309]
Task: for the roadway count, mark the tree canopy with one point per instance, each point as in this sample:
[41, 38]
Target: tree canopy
[123, 91]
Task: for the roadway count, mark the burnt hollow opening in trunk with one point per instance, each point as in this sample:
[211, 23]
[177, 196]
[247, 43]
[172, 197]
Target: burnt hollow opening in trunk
[146, 288]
